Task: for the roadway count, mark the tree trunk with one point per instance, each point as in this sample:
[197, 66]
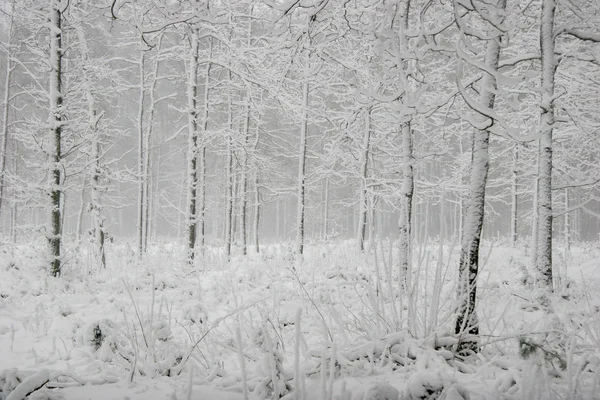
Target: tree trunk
[406, 203]
[256, 212]
[7, 82]
[147, 181]
[56, 112]
[192, 180]
[467, 320]
[302, 170]
[567, 223]
[95, 209]
[202, 155]
[79, 229]
[363, 201]
[244, 178]
[326, 211]
[141, 156]
[14, 211]
[544, 210]
[514, 197]
[229, 189]
[256, 190]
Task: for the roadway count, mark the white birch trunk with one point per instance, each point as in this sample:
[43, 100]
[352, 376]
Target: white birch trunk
[534, 222]
[567, 223]
[230, 182]
[147, 181]
[467, 321]
[97, 221]
[364, 169]
[202, 155]
[79, 228]
[55, 169]
[141, 154]
[192, 172]
[406, 204]
[302, 169]
[326, 211]
[257, 200]
[7, 82]
[244, 178]
[514, 198]
[544, 207]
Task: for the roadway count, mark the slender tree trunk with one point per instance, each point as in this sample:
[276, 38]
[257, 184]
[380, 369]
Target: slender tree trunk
[7, 82]
[467, 321]
[256, 212]
[514, 196]
[14, 211]
[277, 219]
[141, 155]
[147, 181]
[99, 231]
[79, 228]
[407, 190]
[244, 178]
[192, 180]
[534, 222]
[202, 155]
[567, 223]
[230, 182]
[364, 169]
[96, 188]
[406, 202]
[544, 231]
[302, 170]
[56, 112]
[326, 211]
[257, 200]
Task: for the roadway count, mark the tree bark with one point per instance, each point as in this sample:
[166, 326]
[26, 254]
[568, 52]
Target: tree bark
[326, 211]
[192, 180]
[544, 209]
[300, 191]
[141, 155]
[7, 82]
[230, 182]
[202, 155]
[56, 113]
[95, 209]
[406, 202]
[244, 178]
[467, 321]
[257, 199]
[364, 169]
[514, 198]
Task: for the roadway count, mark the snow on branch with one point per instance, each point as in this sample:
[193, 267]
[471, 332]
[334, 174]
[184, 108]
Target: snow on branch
[579, 34]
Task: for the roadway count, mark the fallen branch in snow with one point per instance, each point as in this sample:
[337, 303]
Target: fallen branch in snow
[29, 383]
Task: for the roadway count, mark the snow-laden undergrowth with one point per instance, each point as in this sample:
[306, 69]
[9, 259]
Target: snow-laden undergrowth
[336, 325]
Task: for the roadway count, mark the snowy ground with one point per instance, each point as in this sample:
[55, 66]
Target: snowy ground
[156, 329]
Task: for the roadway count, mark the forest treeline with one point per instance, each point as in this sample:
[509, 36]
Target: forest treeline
[371, 117]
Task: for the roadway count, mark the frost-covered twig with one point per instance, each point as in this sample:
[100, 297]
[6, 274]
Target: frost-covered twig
[313, 303]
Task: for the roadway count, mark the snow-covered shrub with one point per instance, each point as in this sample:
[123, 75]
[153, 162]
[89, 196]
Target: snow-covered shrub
[274, 379]
[430, 385]
[380, 391]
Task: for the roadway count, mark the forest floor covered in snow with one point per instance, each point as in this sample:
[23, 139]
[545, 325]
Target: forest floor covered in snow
[264, 325]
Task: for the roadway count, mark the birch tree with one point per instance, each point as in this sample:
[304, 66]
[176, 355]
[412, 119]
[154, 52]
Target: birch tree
[56, 123]
[192, 173]
[97, 175]
[467, 321]
[548, 37]
[9, 68]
